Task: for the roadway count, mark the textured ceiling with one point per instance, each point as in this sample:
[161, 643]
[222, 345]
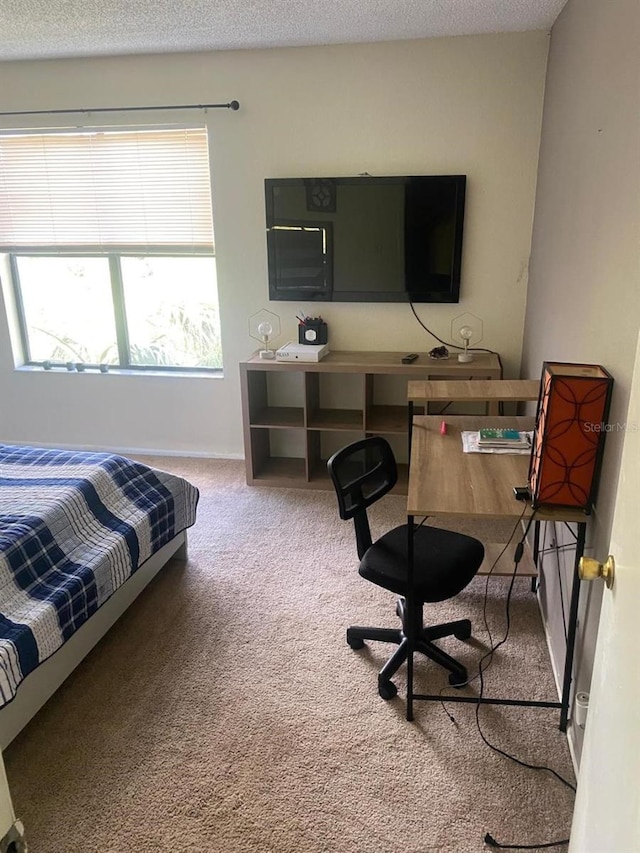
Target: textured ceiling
[37, 29]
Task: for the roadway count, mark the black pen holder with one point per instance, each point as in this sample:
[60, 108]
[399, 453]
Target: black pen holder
[312, 331]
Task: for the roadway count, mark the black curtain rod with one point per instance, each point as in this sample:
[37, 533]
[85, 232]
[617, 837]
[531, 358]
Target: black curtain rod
[232, 105]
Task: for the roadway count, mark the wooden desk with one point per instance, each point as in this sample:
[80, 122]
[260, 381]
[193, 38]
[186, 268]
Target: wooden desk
[443, 480]
[491, 392]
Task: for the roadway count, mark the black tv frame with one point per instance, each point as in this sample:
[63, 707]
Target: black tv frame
[330, 294]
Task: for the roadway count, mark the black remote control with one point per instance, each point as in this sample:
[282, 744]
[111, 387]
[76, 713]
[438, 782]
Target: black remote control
[407, 359]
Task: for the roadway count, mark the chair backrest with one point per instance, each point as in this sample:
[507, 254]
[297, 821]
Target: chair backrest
[362, 473]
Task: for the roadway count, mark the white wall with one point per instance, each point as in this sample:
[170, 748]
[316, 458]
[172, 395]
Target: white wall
[468, 105]
[584, 283]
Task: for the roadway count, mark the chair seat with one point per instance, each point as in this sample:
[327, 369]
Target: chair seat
[444, 562]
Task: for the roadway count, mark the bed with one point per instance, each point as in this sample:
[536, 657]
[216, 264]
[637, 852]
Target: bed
[81, 534]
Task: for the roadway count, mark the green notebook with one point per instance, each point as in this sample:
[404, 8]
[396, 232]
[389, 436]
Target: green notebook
[499, 435]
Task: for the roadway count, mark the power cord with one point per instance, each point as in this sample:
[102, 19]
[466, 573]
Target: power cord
[484, 616]
[455, 346]
[516, 561]
[488, 838]
[560, 587]
[482, 668]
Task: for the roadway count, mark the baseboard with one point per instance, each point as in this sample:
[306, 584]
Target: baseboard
[129, 451]
[193, 454]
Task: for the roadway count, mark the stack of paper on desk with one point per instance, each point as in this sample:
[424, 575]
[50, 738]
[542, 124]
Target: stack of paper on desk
[491, 441]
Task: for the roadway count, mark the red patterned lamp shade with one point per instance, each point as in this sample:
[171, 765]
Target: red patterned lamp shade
[568, 442]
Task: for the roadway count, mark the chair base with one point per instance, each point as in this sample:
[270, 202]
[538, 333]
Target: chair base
[461, 629]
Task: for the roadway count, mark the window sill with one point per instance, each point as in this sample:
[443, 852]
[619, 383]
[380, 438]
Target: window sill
[119, 371]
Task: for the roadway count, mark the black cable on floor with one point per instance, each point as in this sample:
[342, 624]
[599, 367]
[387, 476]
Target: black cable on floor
[488, 838]
[484, 616]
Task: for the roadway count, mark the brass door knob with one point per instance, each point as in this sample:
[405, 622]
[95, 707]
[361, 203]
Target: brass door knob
[590, 569]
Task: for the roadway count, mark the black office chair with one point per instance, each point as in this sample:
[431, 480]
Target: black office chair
[444, 562]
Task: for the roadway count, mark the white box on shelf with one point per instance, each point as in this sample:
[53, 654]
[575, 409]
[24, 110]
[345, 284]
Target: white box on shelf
[293, 351]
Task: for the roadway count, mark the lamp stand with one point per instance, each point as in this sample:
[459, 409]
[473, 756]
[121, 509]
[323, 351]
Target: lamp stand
[266, 352]
[465, 356]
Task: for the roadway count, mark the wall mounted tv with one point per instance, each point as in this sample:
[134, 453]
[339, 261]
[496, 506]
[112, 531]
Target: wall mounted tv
[365, 239]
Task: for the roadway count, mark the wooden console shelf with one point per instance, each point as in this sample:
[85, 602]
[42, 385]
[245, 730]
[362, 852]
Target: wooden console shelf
[295, 415]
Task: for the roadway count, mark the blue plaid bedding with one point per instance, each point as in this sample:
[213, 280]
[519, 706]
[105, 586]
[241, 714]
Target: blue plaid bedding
[73, 527]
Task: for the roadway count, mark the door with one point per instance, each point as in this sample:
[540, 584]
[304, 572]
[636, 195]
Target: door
[607, 813]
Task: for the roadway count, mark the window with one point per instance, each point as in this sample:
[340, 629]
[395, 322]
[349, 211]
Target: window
[110, 238]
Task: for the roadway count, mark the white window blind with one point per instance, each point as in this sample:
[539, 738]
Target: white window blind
[106, 189]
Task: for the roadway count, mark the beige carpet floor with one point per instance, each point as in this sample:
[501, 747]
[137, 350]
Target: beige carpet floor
[225, 712]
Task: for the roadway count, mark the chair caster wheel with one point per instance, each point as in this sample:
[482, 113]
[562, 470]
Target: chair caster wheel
[355, 642]
[387, 689]
[456, 679]
[463, 633]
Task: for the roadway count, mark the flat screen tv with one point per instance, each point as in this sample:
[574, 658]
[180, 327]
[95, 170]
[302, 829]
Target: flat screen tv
[365, 239]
